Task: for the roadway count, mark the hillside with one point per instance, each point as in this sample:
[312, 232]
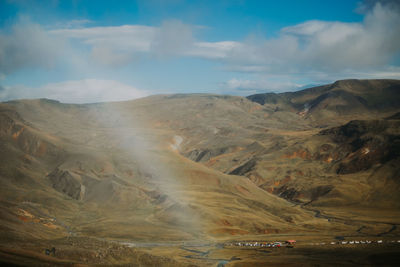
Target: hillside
[202, 168]
[107, 171]
[345, 98]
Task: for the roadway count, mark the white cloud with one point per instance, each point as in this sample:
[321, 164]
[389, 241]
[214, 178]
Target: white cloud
[76, 23]
[125, 37]
[215, 50]
[28, 45]
[79, 91]
[172, 38]
[327, 46]
[120, 45]
[312, 46]
[260, 85]
[112, 46]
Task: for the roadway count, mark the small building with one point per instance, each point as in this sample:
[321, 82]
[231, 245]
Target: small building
[291, 242]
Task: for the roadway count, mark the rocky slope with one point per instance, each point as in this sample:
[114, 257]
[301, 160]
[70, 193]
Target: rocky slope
[203, 167]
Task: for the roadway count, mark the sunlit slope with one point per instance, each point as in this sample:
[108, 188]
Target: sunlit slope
[199, 166]
[113, 170]
[338, 102]
[350, 170]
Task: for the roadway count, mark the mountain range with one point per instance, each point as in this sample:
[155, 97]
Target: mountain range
[200, 167]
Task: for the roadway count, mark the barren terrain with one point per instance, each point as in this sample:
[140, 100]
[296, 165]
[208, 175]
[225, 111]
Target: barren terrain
[170, 179]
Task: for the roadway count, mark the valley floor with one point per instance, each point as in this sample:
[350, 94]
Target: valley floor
[309, 251]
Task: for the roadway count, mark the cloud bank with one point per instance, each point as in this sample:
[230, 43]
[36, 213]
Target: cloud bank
[28, 45]
[79, 91]
[310, 46]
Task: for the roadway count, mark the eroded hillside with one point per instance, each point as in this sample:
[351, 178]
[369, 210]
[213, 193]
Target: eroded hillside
[203, 167]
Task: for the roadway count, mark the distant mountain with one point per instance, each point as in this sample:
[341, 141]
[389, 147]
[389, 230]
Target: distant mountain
[344, 97]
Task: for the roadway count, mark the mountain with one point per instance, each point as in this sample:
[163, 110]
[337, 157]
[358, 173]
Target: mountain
[347, 98]
[198, 168]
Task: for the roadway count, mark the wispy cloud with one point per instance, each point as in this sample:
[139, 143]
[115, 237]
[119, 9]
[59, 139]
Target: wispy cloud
[213, 50]
[77, 23]
[126, 37]
[120, 45]
[252, 86]
[77, 91]
[172, 38]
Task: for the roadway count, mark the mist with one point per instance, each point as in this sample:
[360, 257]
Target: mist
[151, 152]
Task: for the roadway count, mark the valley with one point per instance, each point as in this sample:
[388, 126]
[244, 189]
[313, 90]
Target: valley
[185, 174]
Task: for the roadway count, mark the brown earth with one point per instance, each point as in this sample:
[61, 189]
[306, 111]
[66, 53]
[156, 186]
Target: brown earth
[198, 168]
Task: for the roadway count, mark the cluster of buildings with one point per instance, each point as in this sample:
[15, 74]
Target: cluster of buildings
[291, 243]
[356, 242]
[261, 244]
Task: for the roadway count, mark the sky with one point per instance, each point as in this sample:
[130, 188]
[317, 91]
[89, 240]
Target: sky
[78, 51]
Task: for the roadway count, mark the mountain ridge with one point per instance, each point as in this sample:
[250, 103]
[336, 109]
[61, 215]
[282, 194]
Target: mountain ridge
[200, 167]
[369, 95]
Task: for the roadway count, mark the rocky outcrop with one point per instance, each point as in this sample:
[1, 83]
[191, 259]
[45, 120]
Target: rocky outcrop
[202, 155]
[303, 196]
[68, 183]
[245, 168]
[365, 144]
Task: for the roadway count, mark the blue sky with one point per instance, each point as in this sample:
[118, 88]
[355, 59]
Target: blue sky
[90, 51]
